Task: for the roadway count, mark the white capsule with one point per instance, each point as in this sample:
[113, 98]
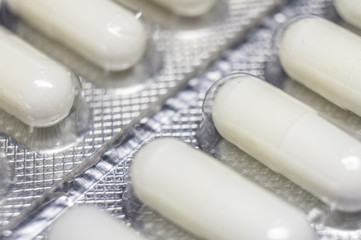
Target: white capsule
[350, 11]
[90, 223]
[99, 30]
[188, 8]
[209, 199]
[291, 139]
[33, 88]
[324, 57]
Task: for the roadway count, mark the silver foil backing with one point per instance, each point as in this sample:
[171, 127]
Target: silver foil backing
[96, 172]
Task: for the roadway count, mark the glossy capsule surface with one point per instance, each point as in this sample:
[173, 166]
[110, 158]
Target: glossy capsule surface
[100, 30]
[209, 199]
[324, 57]
[291, 139]
[33, 88]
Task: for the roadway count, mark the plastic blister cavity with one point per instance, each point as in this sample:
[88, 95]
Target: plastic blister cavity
[115, 106]
[55, 137]
[275, 74]
[213, 15]
[324, 57]
[250, 56]
[129, 80]
[115, 40]
[191, 176]
[288, 137]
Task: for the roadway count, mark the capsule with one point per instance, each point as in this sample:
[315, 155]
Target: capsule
[90, 223]
[325, 58]
[99, 30]
[188, 8]
[33, 88]
[291, 139]
[350, 11]
[209, 199]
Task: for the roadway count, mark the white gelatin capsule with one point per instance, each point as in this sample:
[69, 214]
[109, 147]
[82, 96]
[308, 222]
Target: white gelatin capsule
[290, 138]
[350, 11]
[324, 57]
[33, 88]
[89, 223]
[188, 8]
[209, 199]
[99, 30]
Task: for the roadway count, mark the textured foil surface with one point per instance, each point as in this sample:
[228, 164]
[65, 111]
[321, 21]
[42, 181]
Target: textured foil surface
[103, 179]
[47, 163]
[180, 117]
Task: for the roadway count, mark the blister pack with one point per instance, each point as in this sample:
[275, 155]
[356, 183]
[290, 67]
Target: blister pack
[108, 103]
[169, 94]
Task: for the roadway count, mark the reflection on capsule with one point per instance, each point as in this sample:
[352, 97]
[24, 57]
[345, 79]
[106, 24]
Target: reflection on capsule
[90, 223]
[33, 88]
[324, 57]
[99, 30]
[290, 138]
[209, 199]
[188, 8]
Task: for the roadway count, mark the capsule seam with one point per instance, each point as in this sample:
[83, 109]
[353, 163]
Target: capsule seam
[289, 129]
[347, 82]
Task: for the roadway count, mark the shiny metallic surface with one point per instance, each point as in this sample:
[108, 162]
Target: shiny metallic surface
[95, 169]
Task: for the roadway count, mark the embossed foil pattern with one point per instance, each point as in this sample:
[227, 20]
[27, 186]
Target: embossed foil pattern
[49, 183]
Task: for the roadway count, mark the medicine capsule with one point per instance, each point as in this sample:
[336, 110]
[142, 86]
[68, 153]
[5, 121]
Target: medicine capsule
[33, 88]
[188, 8]
[325, 58]
[90, 223]
[350, 11]
[291, 139]
[99, 30]
[209, 199]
